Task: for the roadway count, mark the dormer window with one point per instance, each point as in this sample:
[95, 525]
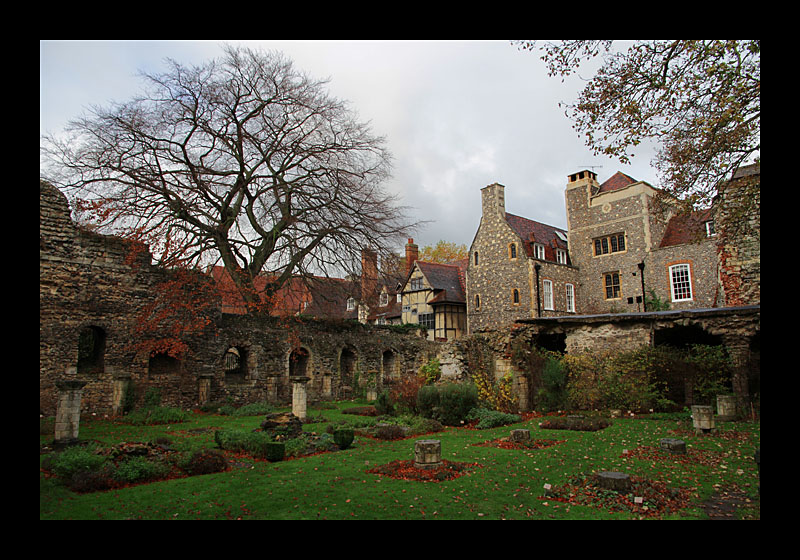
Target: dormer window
[351, 304]
[538, 251]
[710, 231]
[561, 256]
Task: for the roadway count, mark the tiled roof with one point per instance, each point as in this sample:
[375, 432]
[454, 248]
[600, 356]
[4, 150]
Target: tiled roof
[617, 181]
[446, 279]
[531, 231]
[685, 228]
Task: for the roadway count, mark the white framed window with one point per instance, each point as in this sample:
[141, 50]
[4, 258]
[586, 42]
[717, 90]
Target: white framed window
[561, 256]
[680, 280]
[710, 231]
[538, 251]
[399, 298]
[570, 292]
[547, 294]
[351, 304]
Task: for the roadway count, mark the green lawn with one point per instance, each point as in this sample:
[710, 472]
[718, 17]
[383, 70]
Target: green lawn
[507, 484]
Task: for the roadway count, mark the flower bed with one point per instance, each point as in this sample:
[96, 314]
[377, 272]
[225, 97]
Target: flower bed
[405, 470]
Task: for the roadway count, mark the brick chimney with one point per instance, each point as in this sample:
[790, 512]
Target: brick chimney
[493, 200]
[412, 255]
[369, 274]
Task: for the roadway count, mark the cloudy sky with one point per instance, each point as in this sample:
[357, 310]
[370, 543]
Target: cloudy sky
[457, 115]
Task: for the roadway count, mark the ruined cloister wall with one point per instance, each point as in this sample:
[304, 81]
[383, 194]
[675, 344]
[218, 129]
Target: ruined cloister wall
[91, 280]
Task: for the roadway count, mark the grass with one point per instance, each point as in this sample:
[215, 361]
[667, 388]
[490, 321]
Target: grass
[508, 484]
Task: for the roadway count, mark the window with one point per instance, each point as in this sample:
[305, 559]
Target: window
[538, 251]
[680, 279]
[384, 299]
[399, 298]
[515, 296]
[351, 304]
[427, 320]
[416, 283]
[710, 231]
[611, 280]
[561, 256]
[477, 301]
[475, 258]
[512, 251]
[609, 244]
[570, 298]
[547, 294]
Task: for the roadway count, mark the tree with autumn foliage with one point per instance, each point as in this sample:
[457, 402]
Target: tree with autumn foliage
[699, 100]
[444, 252]
[243, 161]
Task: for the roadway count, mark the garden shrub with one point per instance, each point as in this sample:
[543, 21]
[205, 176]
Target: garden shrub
[492, 418]
[552, 394]
[204, 461]
[253, 409]
[253, 443]
[449, 403]
[578, 424]
[75, 459]
[367, 410]
[343, 437]
[156, 415]
[383, 403]
[139, 469]
[390, 431]
[274, 450]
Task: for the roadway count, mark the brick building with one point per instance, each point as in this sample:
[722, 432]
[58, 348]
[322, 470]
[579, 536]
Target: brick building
[623, 246]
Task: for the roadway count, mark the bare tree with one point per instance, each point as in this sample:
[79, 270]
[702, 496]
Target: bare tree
[243, 160]
[700, 100]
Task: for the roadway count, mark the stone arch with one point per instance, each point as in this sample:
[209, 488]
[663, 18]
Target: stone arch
[162, 363]
[683, 336]
[348, 365]
[299, 362]
[390, 365]
[234, 363]
[91, 350]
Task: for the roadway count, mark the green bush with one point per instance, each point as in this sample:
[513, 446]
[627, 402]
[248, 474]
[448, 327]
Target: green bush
[274, 450]
[75, 459]
[491, 418]
[384, 404]
[253, 443]
[449, 404]
[343, 437]
[253, 409]
[204, 461]
[156, 415]
[552, 394]
[139, 469]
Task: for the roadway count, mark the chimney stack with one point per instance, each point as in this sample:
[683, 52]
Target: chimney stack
[412, 255]
[369, 274]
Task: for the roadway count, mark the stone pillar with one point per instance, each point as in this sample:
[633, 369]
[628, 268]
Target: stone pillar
[327, 385]
[427, 453]
[299, 396]
[121, 386]
[702, 419]
[68, 413]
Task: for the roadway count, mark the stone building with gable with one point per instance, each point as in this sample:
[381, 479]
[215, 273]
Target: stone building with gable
[623, 246]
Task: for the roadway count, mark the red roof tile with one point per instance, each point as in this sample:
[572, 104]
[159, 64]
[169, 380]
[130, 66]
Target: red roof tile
[686, 228]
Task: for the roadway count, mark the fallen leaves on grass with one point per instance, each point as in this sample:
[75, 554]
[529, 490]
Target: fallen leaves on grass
[405, 470]
[506, 443]
[646, 499]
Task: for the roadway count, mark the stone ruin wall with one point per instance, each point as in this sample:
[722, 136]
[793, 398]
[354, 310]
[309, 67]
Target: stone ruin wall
[89, 280]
